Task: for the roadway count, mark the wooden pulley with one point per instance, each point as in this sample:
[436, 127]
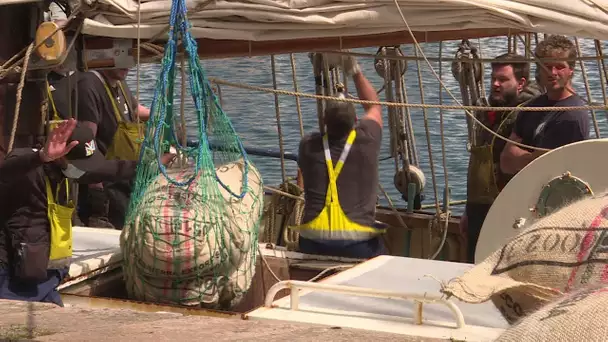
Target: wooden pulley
[416, 176]
[51, 46]
[381, 61]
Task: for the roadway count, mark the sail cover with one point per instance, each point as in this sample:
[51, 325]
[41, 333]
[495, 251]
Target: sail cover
[265, 20]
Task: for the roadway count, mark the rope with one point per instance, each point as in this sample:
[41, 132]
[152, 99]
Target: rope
[26, 61]
[418, 105]
[587, 88]
[200, 89]
[296, 89]
[396, 104]
[445, 171]
[427, 133]
[136, 111]
[322, 273]
[277, 112]
[393, 207]
[278, 204]
[601, 66]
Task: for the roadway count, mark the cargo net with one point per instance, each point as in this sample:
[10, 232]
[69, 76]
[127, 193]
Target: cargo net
[191, 231]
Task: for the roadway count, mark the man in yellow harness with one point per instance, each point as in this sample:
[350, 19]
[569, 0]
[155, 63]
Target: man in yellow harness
[36, 209]
[108, 108]
[340, 175]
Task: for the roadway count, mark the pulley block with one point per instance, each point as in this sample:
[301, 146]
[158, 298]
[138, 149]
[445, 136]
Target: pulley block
[416, 176]
[464, 61]
[51, 41]
[381, 61]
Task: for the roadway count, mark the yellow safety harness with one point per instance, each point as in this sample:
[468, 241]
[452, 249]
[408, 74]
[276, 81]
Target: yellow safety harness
[332, 223]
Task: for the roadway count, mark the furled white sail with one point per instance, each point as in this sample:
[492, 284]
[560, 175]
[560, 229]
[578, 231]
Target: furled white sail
[263, 20]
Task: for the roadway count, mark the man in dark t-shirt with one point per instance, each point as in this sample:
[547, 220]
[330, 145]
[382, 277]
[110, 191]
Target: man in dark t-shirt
[104, 205]
[352, 232]
[552, 129]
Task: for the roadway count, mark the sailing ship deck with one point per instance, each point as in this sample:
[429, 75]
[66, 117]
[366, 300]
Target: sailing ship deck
[96, 251]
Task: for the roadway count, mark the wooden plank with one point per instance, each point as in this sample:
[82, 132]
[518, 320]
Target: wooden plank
[216, 48]
[211, 48]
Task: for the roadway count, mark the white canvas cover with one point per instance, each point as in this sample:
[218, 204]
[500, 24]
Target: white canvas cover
[262, 20]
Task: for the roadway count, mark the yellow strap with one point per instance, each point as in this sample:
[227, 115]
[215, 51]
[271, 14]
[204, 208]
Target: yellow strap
[49, 191]
[117, 113]
[333, 173]
[48, 91]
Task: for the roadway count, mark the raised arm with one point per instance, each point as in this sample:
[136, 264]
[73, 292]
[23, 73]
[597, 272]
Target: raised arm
[18, 163]
[365, 90]
[21, 161]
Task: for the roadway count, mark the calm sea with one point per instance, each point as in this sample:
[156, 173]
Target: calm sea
[253, 113]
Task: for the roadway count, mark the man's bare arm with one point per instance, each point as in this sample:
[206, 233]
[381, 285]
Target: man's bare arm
[367, 92]
[143, 112]
[513, 158]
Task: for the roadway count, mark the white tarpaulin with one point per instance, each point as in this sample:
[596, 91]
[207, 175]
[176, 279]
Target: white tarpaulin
[260, 20]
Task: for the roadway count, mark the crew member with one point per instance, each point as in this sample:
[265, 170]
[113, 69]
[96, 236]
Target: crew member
[340, 176]
[510, 88]
[108, 108]
[36, 211]
[552, 129]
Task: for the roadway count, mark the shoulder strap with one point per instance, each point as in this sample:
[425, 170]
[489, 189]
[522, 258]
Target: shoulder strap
[117, 112]
[50, 96]
[49, 191]
[345, 151]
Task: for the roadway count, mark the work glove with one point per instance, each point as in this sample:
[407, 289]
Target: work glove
[348, 63]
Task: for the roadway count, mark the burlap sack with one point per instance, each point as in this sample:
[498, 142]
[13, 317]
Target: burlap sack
[207, 290]
[181, 238]
[577, 316]
[555, 254]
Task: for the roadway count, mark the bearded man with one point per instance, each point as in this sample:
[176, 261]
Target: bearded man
[510, 88]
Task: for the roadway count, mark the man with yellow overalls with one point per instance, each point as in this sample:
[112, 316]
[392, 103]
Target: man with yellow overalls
[510, 87]
[108, 108]
[36, 209]
[340, 175]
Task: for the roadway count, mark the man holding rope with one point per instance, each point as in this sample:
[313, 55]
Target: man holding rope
[548, 130]
[340, 176]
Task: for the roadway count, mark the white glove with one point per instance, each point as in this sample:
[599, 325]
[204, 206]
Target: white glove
[348, 63]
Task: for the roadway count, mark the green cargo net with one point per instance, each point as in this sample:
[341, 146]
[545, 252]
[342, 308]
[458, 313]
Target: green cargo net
[191, 232]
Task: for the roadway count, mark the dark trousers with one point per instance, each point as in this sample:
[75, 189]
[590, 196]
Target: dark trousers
[361, 249]
[118, 195]
[44, 291]
[476, 214]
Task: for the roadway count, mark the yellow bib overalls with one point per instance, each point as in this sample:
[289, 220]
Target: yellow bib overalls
[60, 218]
[126, 142]
[332, 223]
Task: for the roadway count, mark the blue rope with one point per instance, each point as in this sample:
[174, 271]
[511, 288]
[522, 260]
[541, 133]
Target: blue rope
[201, 90]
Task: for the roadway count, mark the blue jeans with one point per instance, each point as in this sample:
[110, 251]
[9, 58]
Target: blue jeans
[45, 291]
